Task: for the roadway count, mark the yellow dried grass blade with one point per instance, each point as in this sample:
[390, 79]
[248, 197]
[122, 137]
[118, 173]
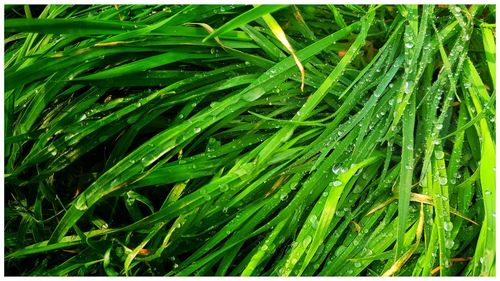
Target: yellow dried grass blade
[280, 35]
[406, 256]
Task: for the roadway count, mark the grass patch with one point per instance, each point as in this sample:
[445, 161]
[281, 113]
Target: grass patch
[336, 140]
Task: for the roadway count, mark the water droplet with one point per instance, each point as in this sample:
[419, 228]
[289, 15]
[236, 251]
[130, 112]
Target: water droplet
[409, 45]
[325, 194]
[340, 213]
[147, 160]
[223, 187]
[448, 226]
[439, 126]
[337, 183]
[409, 147]
[197, 130]
[358, 172]
[283, 196]
[81, 203]
[336, 169]
[307, 240]
[83, 117]
[408, 85]
[443, 180]
[439, 154]
[314, 221]
[449, 243]
[357, 264]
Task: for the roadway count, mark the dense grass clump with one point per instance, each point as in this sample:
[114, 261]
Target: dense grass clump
[336, 140]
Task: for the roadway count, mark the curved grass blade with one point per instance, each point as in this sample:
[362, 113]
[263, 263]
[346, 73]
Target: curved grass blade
[245, 18]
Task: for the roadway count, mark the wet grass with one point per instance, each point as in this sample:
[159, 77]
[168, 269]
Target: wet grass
[337, 140]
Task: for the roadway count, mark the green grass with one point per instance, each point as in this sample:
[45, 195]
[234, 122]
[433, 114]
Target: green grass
[336, 140]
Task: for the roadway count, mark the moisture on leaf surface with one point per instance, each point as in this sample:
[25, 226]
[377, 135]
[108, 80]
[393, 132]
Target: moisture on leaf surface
[250, 140]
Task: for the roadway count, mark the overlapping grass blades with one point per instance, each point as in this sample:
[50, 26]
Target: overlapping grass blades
[338, 140]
